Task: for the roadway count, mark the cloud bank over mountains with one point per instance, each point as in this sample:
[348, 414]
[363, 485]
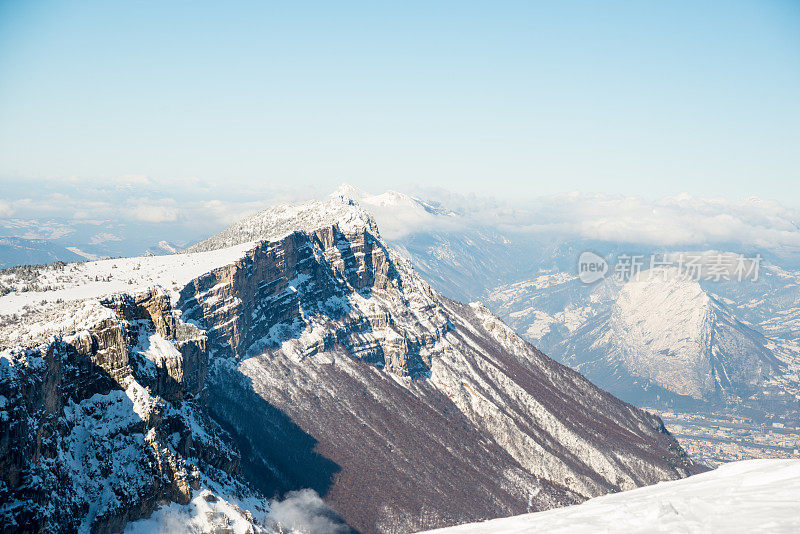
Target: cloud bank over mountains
[137, 198]
[681, 220]
[139, 210]
[183, 210]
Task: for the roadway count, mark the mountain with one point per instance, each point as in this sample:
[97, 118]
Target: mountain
[103, 407]
[664, 330]
[41, 241]
[664, 340]
[21, 251]
[460, 260]
[292, 352]
[738, 339]
[162, 247]
[748, 496]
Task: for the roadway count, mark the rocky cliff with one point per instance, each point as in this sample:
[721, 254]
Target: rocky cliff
[293, 351]
[100, 426]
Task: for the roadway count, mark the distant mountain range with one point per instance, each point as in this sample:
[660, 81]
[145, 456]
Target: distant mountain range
[529, 279]
[20, 251]
[39, 242]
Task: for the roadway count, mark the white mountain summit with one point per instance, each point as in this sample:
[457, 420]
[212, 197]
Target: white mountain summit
[664, 329]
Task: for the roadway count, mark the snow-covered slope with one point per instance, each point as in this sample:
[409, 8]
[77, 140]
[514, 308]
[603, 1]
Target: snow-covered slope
[658, 336]
[279, 221]
[459, 259]
[740, 497]
[314, 357]
[42, 301]
[664, 329]
[723, 341]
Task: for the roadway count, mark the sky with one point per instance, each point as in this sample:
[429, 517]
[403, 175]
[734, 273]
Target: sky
[508, 99]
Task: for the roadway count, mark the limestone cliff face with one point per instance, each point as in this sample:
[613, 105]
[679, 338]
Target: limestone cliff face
[328, 363]
[176, 375]
[282, 287]
[91, 437]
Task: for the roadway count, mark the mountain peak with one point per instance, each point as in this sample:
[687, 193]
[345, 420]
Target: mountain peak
[665, 329]
[279, 221]
[348, 192]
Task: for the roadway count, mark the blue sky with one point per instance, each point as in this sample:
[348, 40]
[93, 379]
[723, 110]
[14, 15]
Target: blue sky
[511, 99]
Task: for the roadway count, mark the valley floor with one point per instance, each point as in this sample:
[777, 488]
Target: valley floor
[715, 439]
[749, 496]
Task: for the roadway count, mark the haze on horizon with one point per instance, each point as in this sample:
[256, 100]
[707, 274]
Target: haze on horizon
[513, 101]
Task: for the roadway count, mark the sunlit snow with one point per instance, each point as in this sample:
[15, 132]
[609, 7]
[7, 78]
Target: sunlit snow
[749, 496]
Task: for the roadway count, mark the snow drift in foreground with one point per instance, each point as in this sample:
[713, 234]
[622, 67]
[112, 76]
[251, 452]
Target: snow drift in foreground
[749, 496]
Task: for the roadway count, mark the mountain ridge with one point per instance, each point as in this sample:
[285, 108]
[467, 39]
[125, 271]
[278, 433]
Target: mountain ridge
[310, 351]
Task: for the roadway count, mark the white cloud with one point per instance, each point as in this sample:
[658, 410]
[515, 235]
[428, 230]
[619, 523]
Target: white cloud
[35, 228]
[227, 213]
[670, 221]
[305, 511]
[681, 220]
[207, 207]
[154, 211]
[135, 180]
[6, 210]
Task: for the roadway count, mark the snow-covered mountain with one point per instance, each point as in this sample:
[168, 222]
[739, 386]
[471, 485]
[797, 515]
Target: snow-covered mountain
[37, 239]
[740, 497]
[163, 247]
[459, 260]
[664, 330]
[293, 351]
[21, 251]
[663, 340]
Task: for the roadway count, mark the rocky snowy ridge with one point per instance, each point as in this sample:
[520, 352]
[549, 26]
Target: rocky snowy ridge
[744, 358]
[292, 351]
[665, 335]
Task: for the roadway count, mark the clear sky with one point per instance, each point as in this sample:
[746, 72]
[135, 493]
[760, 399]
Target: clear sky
[513, 99]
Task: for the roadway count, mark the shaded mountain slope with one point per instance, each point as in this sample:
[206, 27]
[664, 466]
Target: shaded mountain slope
[320, 359]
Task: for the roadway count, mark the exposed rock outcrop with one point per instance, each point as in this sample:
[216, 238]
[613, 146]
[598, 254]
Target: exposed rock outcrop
[91, 438]
[330, 364]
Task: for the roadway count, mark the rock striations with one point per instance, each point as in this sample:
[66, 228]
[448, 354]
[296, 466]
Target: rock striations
[292, 351]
